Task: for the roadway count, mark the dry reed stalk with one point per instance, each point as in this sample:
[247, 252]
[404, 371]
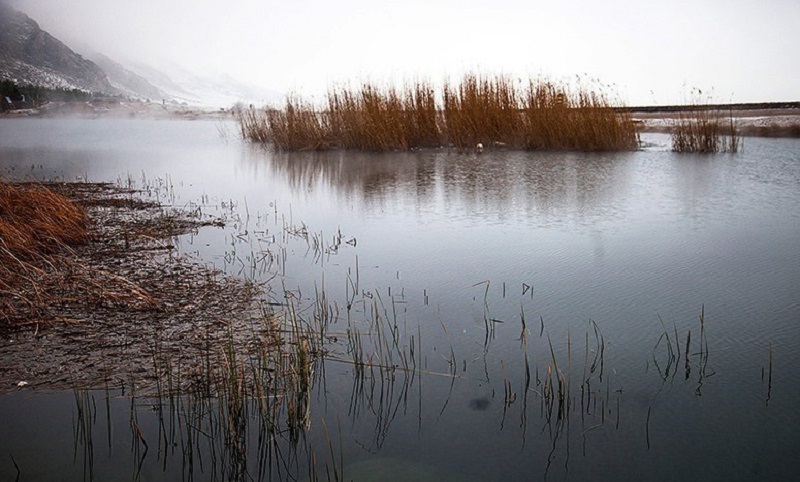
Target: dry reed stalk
[556, 119]
[374, 118]
[703, 130]
[479, 109]
[422, 122]
[369, 119]
[482, 110]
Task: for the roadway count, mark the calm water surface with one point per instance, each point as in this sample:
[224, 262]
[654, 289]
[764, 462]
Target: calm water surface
[635, 242]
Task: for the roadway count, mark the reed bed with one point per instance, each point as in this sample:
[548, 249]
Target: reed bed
[556, 118]
[476, 112]
[704, 130]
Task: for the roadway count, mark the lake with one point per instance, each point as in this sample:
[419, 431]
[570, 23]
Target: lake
[539, 307]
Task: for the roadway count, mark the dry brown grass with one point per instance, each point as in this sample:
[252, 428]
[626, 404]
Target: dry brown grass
[375, 118]
[703, 128]
[295, 127]
[490, 110]
[705, 132]
[369, 119]
[39, 268]
[34, 221]
[482, 110]
[558, 119]
[37, 226]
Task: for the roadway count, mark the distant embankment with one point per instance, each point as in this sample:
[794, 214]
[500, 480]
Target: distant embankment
[656, 109]
[762, 119]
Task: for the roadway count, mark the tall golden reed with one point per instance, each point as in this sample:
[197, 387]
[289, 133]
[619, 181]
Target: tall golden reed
[705, 131]
[479, 109]
[703, 128]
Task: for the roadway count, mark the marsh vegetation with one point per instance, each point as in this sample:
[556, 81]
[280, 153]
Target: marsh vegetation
[493, 111]
[702, 128]
[81, 246]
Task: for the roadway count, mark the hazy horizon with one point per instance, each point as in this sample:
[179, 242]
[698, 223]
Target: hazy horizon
[647, 52]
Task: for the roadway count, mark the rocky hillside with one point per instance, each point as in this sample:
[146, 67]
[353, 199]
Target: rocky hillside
[126, 82]
[29, 55]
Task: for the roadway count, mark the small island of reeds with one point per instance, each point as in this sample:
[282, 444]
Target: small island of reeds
[479, 110]
[703, 130]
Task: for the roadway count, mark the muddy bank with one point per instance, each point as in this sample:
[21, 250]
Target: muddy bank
[124, 305]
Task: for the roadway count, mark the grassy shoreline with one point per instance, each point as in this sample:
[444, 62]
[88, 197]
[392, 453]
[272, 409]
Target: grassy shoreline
[95, 308]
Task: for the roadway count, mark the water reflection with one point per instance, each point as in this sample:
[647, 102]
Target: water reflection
[493, 187]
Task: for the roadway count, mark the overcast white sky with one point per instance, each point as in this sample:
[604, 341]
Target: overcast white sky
[652, 51]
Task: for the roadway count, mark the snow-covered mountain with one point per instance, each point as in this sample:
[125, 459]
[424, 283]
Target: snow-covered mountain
[126, 82]
[182, 85]
[30, 55]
